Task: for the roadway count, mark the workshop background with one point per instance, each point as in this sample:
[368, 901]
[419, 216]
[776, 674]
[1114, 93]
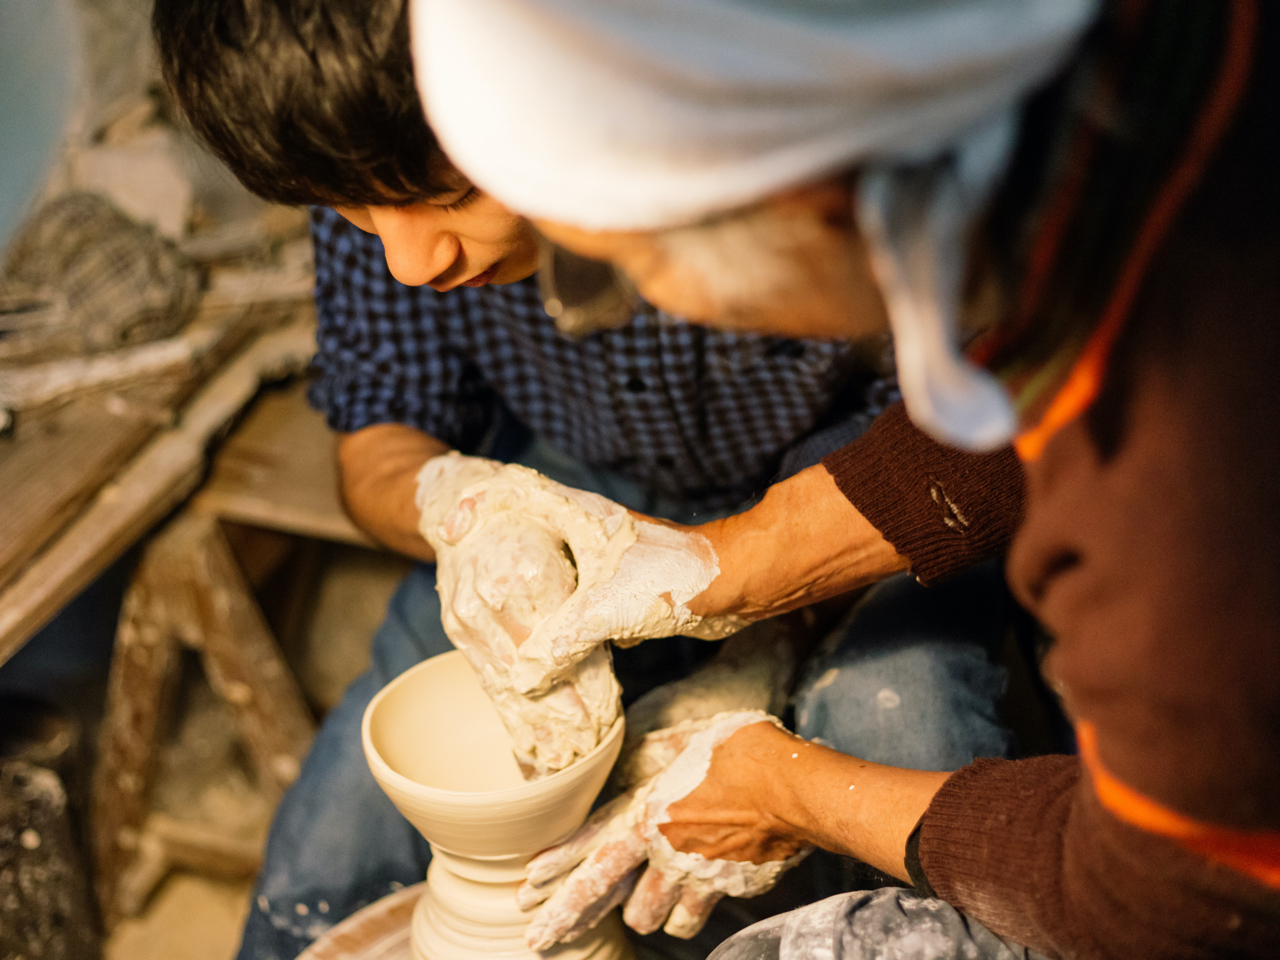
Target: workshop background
[155, 326]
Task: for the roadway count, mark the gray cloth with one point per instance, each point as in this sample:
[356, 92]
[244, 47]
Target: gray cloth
[886, 924]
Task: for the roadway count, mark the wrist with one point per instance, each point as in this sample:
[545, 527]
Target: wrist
[723, 596]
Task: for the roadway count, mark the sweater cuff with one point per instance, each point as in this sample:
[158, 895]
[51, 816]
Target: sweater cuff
[941, 508]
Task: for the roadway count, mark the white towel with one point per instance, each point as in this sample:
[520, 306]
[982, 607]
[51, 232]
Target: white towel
[633, 114]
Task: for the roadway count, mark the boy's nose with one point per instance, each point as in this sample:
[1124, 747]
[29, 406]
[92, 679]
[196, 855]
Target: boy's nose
[417, 249]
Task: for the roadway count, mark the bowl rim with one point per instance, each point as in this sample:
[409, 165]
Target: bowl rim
[383, 771]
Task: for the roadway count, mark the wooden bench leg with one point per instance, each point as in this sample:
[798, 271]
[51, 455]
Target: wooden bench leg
[144, 674]
[244, 663]
[188, 590]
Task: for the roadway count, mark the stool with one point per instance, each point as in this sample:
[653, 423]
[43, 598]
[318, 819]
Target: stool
[192, 589]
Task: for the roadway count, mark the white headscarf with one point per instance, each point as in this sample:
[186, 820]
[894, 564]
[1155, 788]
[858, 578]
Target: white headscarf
[641, 114]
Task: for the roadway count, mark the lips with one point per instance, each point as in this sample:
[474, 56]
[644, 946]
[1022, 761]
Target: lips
[480, 279]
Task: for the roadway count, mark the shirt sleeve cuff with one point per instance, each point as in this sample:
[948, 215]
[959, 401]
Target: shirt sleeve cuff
[943, 509]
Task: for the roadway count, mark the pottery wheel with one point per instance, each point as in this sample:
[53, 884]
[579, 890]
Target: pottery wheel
[378, 932]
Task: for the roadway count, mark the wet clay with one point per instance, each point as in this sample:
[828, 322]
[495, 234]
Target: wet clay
[506, 539]
[437, 746]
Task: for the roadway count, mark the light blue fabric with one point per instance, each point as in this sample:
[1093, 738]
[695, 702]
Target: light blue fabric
[38, 70]
[337, 843]
[911, 681]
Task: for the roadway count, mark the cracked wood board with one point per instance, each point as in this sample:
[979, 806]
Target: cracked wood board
[62, 453]
[277, 470]
[160, 477]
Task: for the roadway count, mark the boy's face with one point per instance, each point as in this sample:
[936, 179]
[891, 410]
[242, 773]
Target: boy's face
[461, 238]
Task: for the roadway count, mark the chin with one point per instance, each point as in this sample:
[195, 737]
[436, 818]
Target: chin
[515, 272]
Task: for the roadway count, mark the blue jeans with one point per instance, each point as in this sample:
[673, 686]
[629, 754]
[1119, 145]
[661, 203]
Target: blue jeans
[337, 843]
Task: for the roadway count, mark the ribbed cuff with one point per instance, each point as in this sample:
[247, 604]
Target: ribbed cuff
[942, 508]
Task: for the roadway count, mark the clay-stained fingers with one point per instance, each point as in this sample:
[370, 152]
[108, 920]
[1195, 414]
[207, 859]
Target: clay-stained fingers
[528, 896]
[645, 757]
[600, 882]
[598, 910]
[651, 901]
[560, 859]
[691, 913]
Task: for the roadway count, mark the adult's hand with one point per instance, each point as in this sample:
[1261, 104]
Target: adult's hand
[670, 847]
[753, 670]
[502, 569]
[634, 576]
[642, 592]
[804, 542]
[743, 799]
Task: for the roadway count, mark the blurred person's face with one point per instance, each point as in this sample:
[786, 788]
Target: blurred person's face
[794, 265]
[461, 238]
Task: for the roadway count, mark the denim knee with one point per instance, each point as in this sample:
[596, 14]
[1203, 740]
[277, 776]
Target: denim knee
[910, 682]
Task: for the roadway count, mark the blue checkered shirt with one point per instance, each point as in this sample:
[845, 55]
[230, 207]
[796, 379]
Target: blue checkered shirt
[690, 412]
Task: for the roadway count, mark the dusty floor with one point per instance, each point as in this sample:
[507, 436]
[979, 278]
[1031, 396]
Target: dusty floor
[189, 918]
[204, 776]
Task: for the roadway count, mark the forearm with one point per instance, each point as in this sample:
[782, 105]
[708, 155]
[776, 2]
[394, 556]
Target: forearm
[847, 805]
[378, 469]
[803, 542]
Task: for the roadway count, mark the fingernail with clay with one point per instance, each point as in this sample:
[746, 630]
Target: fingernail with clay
[690, 914]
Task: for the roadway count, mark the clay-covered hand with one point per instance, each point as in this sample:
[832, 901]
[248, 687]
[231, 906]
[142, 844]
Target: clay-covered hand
[753, 670]
[634, 576]
[501, 570]
[671, 847]
[629, 597]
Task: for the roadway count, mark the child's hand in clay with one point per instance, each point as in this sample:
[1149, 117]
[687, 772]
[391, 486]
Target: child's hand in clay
[696, 826]
[500, 571]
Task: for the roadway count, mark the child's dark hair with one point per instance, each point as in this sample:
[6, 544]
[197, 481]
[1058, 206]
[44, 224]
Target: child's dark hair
[307, 101]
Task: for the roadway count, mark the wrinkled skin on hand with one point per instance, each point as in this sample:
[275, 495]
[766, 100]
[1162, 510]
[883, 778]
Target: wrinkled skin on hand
[502, 569]
[670, 847]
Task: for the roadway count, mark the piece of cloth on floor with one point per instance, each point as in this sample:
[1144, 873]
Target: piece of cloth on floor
[888, 924]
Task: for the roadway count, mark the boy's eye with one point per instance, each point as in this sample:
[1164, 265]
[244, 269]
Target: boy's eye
[462, 201]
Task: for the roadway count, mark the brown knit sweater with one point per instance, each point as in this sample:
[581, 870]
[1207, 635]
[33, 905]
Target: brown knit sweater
[1150, 549]
[944, 509]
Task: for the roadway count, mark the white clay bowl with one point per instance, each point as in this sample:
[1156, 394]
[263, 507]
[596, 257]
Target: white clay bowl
[437, 748]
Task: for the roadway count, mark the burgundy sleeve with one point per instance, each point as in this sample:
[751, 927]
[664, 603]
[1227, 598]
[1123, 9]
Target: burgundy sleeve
[1025, 848]
[942, 508]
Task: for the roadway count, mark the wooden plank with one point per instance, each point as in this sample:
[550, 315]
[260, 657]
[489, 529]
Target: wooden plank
[60, 455]
[158, 479]
[278, 470]
[188, 588]
[60, 458]
[241, 659]
[144, 674]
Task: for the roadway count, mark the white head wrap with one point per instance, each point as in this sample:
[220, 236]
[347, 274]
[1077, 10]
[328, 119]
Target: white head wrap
[641, 114]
